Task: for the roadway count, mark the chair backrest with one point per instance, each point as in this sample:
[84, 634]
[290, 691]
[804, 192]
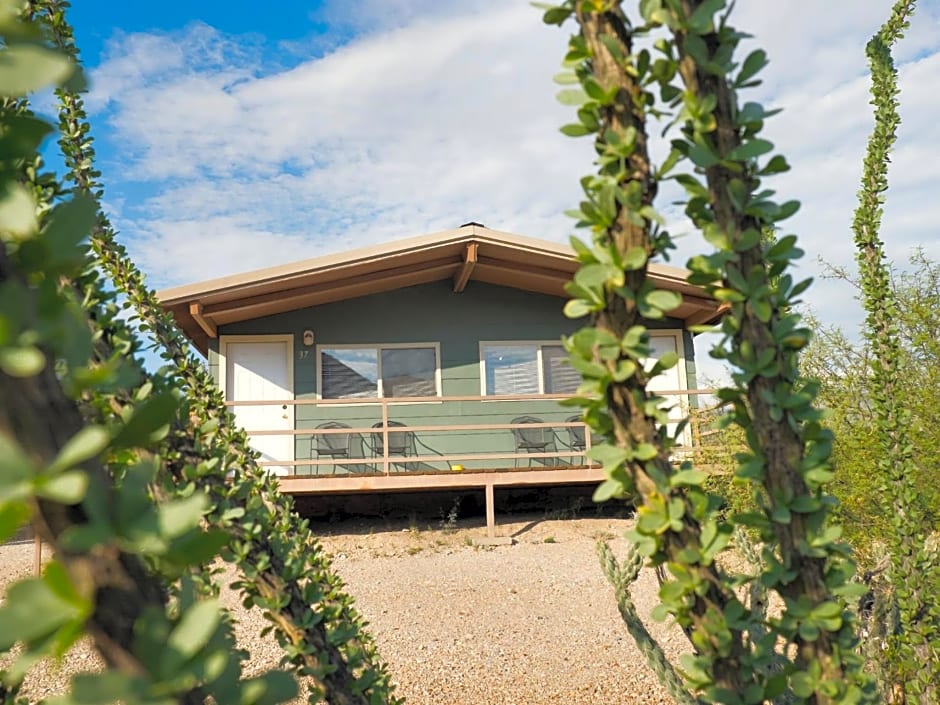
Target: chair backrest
[328, 443]
[576, 433]
[531, 437]
[399, 443]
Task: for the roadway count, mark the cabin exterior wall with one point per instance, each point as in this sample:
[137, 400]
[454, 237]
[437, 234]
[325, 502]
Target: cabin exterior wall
[456, 323]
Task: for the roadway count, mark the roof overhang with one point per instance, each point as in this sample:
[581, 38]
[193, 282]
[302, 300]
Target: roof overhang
[468, 254]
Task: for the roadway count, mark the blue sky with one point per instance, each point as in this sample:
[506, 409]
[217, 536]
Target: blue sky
[98, 22]
[239, 135]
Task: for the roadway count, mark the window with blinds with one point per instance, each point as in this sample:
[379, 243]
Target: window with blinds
[370, 372]
[527, 368]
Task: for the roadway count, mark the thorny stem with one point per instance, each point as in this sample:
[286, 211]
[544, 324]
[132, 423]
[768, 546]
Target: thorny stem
[632, 426]
[36, 412]
[781, 443]
[348, 672]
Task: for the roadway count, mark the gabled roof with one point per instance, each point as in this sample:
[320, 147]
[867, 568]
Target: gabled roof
[471, 253]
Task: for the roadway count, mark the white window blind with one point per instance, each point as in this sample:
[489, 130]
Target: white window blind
[542, 368]
[511, 369]
[559, 376]
[528, 368]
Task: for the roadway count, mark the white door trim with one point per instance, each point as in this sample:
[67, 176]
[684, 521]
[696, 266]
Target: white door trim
[680, 349]
[224, 340]
[681, 372]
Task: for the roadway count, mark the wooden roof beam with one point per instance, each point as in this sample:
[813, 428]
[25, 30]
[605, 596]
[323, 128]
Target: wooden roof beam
[469, 262]
[707, 315]
[208, 327]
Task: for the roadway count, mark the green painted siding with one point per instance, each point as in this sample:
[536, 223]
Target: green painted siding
[429, 313]
[214, 359]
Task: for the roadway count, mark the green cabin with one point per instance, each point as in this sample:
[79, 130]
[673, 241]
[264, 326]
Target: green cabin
[432, 361]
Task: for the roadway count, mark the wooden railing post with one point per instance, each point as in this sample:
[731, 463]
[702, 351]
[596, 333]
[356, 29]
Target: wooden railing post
[385, 463]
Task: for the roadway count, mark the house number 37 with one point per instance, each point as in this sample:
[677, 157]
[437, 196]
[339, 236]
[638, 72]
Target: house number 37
[302, 354]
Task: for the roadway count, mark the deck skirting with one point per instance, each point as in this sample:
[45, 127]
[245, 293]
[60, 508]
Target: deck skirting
[413, 482]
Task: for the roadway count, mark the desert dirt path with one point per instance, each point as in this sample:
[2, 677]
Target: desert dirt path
[528, 624]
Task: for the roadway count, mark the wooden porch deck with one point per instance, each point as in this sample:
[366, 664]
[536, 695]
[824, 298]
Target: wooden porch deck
[563, 465]
[487, 480]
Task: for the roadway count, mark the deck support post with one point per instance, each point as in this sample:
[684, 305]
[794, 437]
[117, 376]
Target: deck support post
[37, 555]
[490, 511]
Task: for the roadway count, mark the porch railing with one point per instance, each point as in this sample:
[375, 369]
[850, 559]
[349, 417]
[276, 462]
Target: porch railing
[563, 453]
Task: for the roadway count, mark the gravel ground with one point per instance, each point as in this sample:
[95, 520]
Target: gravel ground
[532, 623]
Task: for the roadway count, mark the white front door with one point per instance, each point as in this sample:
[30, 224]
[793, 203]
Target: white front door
[260, 370]
[671, 380]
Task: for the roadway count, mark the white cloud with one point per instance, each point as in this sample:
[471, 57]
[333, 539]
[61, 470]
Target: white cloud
[190, 250]
[402, 132]
[444, 112]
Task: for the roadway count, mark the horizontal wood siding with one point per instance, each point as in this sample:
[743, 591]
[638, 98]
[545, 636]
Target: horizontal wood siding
[214, 359]
[429, 313]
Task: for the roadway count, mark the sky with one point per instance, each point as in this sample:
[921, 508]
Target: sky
[233, 136]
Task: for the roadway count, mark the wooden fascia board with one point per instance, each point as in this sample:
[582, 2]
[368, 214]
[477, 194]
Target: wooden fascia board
[335, 276]
[281, 301]
[466, 269]
[367, 261]
[198, 315]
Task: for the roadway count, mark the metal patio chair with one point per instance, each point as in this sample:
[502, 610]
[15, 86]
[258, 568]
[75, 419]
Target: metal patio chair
[576, 437]
[533, 440]
[332, 445]
[399, 442]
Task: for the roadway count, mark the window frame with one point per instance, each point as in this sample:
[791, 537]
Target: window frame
[380, 392]
[674, 333]
[539, 361]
